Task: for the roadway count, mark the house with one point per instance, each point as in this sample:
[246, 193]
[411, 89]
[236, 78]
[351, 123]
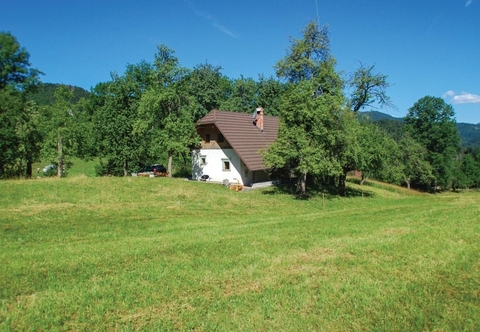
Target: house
[231, 146]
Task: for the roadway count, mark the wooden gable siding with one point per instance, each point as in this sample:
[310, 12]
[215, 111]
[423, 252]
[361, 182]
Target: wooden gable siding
[243, 136]
[214, 133]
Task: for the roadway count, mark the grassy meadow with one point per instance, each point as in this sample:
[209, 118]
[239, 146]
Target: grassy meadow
[124, 254]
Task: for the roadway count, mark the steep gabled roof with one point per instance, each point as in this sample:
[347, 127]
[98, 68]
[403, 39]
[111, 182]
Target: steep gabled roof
[241, 133]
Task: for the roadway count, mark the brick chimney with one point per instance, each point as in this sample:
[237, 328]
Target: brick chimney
[259, 118]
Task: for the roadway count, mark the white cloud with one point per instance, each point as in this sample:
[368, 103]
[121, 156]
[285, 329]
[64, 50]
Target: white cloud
[211, 19]
[469, 2]
[461, 98]
[449, 93]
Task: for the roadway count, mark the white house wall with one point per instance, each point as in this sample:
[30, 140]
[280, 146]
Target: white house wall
[213, 166]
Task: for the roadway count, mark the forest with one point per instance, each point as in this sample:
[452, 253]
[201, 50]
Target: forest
[329, 123]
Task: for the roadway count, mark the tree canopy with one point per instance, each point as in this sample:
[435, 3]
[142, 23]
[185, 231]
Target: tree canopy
[148, 113]
[18, 128]
[431, 122]
[314, 134]
[15, 67]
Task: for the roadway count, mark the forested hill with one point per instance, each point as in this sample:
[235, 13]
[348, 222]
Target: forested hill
[45, 93]
[469, 133]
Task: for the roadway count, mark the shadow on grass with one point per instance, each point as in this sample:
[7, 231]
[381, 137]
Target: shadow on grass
[315, 191]
[398, 189]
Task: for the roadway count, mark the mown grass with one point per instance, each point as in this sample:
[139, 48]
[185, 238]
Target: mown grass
[84, 253]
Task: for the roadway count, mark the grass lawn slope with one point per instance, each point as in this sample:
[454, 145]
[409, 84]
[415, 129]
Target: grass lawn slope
[98, 254]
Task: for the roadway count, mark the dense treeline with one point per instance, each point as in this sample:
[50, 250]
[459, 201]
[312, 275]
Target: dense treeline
[147, 115]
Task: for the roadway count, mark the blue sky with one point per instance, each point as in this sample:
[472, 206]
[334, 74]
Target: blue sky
[425, 47]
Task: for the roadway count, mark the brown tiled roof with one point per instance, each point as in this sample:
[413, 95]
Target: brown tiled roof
[244, 137]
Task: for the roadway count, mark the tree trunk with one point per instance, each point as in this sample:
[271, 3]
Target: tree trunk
[302, 184]
[60, 157]
[169, 169]
[341, 184]
[28, 172]
[407, 181]
[364, 178]
[125, 167]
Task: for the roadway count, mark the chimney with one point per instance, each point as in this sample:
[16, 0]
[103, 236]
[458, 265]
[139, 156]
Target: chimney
[259, 118]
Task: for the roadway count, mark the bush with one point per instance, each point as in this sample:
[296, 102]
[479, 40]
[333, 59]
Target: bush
[110, 168]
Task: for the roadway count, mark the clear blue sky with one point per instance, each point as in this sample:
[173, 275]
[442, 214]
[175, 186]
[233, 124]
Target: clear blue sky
[426, 47]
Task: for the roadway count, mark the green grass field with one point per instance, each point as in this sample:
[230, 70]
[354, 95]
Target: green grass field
[108, 254]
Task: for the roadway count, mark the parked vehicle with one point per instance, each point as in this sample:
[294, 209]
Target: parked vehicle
[152, 170]
[50, 170]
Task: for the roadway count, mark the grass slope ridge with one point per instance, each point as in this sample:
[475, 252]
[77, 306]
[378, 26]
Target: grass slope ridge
[164, 254]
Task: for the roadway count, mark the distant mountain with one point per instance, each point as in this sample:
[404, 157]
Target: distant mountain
[45, 93]
[469, 133]
[376, 116]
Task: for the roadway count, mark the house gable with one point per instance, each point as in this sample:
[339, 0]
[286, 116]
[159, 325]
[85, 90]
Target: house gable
[241, 132]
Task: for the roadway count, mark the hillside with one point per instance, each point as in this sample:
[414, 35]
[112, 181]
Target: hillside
[469, 133]
[45, 93]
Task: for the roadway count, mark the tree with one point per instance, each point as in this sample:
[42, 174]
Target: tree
[430, 121]
[242, 97]
[15, 67]
[317, 134]
[303, 143]
[11, 109]
[63, 130]
[30, 135]
[377, 151]
[305, 56]
[166, 111]
[18, 133]
[414, 166]
[208, 87]
[116, 112]
[269, 93]
[467, 169]
[368, 88]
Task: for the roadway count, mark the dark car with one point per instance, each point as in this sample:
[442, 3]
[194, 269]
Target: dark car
[152, 170]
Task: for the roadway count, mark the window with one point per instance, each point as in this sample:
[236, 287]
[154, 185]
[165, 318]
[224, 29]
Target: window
[226, 165]
[203, 160]
[207, 138]
[220, 138]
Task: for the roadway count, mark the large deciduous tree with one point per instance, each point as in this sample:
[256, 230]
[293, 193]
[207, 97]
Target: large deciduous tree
[208, 87]
[64, 130]
[431, 122]
[316, 134]
[166, 112]
[117, 111]
[19, 135]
